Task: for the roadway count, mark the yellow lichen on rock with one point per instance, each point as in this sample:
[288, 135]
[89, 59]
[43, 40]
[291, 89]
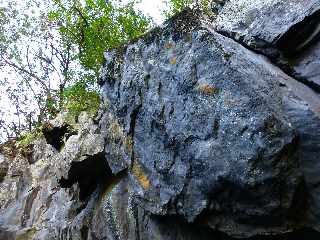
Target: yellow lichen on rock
[207, 89]
[168, 45]
[140, 175]
[116, 133]
[27, 235]
[173, 60]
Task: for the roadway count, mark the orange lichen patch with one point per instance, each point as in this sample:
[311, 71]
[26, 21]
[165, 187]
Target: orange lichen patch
[140, 175]
[173, 60]
[48, 126]
[207, 89]
[168, 45]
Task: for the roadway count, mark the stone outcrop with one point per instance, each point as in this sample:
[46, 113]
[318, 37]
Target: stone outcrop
[210, 129]
[286, 31]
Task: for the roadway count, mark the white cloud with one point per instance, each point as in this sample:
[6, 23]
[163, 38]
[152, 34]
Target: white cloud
[153, 8]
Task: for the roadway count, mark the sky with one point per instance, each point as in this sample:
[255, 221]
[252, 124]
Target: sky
[153, 8]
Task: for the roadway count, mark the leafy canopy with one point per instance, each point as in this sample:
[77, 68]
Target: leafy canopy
[176, 6]
[54, 50]
[96, 26]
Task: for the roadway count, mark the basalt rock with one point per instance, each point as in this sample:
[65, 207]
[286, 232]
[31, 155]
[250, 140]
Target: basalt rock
[198, 137]
[35, 202]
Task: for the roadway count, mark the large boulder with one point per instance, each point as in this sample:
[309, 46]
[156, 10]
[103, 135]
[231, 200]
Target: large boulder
[288, 33]
[213, 136]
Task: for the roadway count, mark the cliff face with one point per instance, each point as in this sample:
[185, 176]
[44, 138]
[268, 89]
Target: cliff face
[210, 129]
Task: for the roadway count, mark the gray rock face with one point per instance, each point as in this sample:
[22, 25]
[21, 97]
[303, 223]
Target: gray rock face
[307, 66]
[265, 24]
[210, 129]
[33, 205]
[199, 138]
[287, 31]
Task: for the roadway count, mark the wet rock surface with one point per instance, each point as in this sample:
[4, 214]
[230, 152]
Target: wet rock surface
[199, 137]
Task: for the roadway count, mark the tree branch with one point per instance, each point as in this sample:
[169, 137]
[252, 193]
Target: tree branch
[31, 74]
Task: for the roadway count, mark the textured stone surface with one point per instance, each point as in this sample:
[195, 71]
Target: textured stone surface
[307, 66]
[266, 24]
[32, 203]
[198, 138]
[209, 128]
[285, 30]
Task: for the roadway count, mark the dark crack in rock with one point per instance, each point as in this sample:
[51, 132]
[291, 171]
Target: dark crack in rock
[54, 135]
[306, 66]
[88, 174]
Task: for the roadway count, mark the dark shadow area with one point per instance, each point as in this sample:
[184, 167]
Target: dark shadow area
[84, 232]
[300, 35]
[3, 171]
[54, 135]
[7, 235]
[301, 234]
[201, 232]
[88, 173]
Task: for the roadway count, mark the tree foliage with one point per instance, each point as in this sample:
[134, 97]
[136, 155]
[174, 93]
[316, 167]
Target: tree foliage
[175, 6]
[81, 97]
[96, 26]
[52, 51]
[35, 65]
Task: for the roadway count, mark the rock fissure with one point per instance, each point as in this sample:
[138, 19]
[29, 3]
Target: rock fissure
[300, 35]
[54, 135]
[133, 122]
[29, 203]
[89, 173]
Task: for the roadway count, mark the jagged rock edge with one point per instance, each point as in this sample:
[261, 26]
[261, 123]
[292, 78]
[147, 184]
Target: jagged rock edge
[275, 55]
